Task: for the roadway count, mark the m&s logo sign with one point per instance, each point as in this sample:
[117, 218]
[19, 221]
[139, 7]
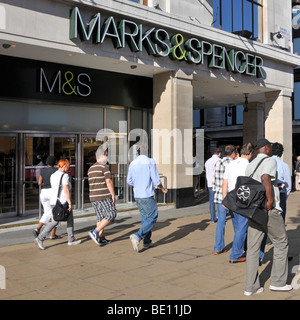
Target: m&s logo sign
[66, 83]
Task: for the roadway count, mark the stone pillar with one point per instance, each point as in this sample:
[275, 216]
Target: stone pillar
[278, 123]
[172, 144]
[253, 128]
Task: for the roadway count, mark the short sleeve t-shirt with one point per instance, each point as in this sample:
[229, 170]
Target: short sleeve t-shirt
[55, 179]
[268, 166]
[46, 174]
[97, 175]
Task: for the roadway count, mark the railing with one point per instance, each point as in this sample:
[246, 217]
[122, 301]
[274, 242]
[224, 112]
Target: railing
[130, 192]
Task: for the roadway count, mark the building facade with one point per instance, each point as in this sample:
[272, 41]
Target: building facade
[76, 74]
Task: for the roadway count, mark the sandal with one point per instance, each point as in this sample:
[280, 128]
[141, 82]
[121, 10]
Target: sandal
[56, 237]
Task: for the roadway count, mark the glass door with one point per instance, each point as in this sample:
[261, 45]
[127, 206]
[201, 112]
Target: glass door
[117, 161]
[65, 148]
[7, 174]
[37, 149]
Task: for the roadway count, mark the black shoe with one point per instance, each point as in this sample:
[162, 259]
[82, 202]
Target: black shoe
[103, 242]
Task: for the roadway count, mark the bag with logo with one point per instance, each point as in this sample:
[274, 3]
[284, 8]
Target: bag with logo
[248, 199]
[60, 211]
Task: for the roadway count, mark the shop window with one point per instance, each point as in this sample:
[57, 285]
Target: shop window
[242, 17]
[234, 115]
[296, 113]
[113, 116]
[198, 118]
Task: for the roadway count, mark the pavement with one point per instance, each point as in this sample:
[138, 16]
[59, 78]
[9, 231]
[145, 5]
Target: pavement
[180, 266]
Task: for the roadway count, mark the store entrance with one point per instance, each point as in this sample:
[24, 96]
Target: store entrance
[37, 148]
[80, 150]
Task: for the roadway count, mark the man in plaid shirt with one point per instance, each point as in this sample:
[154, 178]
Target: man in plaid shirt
[230, 153]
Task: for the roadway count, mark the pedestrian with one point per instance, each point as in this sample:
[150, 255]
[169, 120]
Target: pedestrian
[236, 168]
[284, 182]
[44, 182]
[209, 171]
[267, 175]
[283, 176]
[63, 166]
[230, 153]
[297, 174]
[102, 196]
[143, 176]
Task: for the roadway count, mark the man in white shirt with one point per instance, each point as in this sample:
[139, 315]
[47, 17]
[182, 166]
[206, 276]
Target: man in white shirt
[209, 170]
[234, 169]
[283, 176]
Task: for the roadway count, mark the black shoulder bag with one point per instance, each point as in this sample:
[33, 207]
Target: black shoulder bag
[60, 211]
[249, 199]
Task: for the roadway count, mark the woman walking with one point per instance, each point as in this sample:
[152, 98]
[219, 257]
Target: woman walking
[63, 166]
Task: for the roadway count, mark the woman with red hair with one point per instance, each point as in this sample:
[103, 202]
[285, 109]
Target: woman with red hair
[63, 167]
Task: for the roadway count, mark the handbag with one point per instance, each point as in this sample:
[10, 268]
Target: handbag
[60, 211]
[248, 199]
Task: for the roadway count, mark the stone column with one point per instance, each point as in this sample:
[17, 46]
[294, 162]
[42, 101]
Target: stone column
[278, 123]
[171, 142]
[253, 128]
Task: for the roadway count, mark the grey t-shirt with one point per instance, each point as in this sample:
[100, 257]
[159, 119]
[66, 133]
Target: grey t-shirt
[268, 166]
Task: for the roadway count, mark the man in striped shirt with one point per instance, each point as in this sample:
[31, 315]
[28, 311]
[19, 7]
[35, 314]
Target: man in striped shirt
[102, 196]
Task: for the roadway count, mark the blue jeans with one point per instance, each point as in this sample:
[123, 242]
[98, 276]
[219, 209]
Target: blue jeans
[212, 206]
[240, 225]
[148, 211]
[220, 231]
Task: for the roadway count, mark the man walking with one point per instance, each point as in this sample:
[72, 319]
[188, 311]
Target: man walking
[234, 169]
[143, 176]
[102, 196]
[283, 176]
[230, 154]
[266, 174]
[209, 171]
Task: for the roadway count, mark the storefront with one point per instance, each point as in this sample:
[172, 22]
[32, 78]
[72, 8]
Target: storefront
[70, 70]
[40, 117]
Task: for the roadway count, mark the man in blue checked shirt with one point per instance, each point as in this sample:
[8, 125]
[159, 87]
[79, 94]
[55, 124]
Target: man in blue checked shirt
[143, 176]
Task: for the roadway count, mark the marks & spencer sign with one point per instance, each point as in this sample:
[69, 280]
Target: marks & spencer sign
[159, 43]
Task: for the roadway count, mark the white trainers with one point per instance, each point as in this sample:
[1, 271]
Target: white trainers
[287, 287]
[39, 243]
[74, 242]
[135, 242]
[258, 291]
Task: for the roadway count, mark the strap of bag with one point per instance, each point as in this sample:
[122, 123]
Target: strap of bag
[257, 166]
[59, 187]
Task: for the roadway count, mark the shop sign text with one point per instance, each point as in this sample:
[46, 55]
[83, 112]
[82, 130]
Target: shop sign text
[66, 82]
[159, 43]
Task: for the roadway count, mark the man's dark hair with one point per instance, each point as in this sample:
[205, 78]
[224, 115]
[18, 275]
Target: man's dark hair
[217, 150]
[277, 149]
[247, 148]
[229, 149]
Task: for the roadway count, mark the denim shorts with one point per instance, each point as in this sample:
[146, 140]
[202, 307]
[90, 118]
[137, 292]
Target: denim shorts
[105, 210]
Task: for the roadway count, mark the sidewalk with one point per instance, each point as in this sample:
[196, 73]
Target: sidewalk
[180, 266]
